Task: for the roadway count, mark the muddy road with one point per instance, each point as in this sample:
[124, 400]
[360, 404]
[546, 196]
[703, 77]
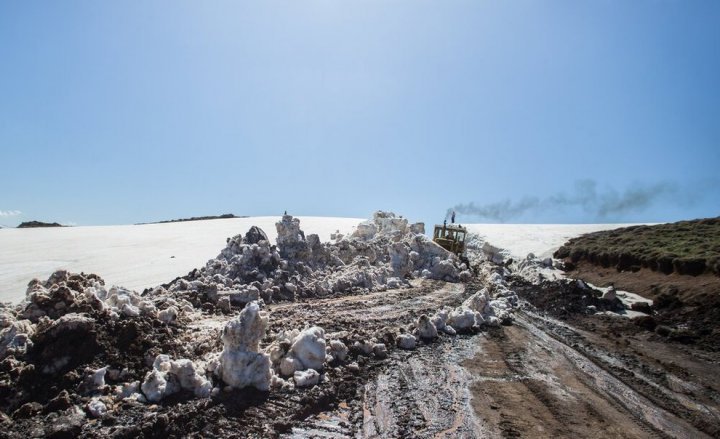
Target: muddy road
[539, 377]
[587, 376]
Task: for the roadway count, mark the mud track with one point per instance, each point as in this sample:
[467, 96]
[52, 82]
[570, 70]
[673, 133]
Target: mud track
[537, 378]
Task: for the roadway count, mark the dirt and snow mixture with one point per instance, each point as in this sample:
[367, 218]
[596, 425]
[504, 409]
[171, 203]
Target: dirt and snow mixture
[360, 336]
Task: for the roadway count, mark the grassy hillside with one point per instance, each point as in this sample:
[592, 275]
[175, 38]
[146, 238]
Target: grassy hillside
[685, 247]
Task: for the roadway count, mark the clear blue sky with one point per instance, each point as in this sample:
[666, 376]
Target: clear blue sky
[133, 111]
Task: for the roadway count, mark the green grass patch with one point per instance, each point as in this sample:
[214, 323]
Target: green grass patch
[685, 247]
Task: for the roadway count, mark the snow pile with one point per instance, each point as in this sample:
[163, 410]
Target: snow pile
[241, 364]
[478, 249]
[381, 254]
[302, 354]
[482, 308]
[169, 376]
[14, 334]
[536, 270]
[71, 293]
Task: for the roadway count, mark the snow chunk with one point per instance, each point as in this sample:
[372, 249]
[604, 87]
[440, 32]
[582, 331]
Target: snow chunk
[462, 318]
[289, 365]
[241, 364]
[309, 348]
[338, 350]
[155, 386]
[168, 315]
[98, 377]
[96, 408]
[306, 378]
[426, 328]
[439, 319]
[245, 332]
[478, 301]
[168, 377]
[406, 341]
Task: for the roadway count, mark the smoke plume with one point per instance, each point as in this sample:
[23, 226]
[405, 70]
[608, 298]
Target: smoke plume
[585, 195]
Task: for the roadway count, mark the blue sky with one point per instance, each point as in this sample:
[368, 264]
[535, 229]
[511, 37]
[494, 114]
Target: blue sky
[124, 112]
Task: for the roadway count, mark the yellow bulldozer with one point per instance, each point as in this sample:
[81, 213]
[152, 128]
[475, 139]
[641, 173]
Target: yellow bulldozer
[451, 237]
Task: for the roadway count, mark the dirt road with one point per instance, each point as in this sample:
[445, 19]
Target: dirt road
[537, 378]
[587, 376]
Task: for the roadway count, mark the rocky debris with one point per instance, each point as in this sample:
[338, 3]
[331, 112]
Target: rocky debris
[609, 295]
[240, 363]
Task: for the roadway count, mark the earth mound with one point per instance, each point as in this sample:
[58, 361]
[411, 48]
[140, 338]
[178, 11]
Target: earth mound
[686, 248]
[34, 224]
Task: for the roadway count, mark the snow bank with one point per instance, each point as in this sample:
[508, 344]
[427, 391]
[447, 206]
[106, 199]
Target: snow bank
[381, 254]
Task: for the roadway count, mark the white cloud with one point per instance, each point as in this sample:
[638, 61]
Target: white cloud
[10, 213]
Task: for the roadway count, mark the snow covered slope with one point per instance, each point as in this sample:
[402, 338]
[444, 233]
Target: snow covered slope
[541, 239]
[138, 257]
[135, 257]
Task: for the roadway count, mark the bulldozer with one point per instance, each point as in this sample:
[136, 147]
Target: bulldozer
[451, 237]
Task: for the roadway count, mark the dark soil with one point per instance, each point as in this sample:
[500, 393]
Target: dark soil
[196, 218]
